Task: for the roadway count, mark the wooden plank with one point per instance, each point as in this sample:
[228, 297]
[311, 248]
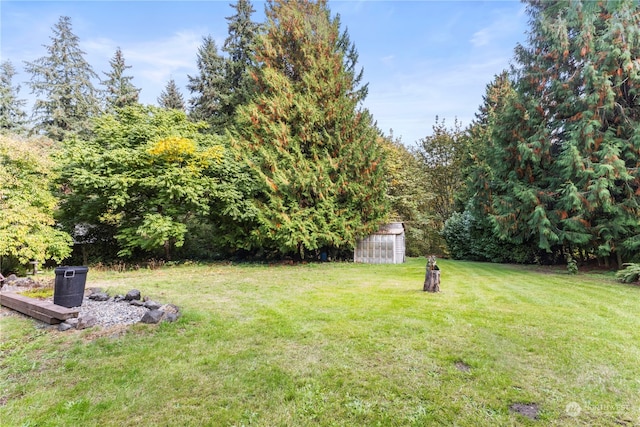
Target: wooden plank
[41, 310]
[40, 316]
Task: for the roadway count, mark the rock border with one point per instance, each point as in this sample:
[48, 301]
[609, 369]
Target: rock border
[155, 312]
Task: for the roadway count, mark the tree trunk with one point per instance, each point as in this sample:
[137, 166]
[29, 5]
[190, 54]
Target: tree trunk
[167, 250]
[432, 281]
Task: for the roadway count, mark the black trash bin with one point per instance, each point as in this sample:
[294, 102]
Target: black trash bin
[69, 286]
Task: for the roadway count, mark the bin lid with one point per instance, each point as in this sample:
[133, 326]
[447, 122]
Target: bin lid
[77, 269]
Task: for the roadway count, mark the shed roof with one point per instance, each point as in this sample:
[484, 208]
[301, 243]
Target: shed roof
[391, 228]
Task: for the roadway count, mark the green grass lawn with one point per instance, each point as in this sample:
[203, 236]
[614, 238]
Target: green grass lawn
[338, 344]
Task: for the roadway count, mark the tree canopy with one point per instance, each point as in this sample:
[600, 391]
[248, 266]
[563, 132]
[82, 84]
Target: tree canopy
[314, 150]
[63, 82]
[27, 225]
[119, 89]
[13, 118]
[563, 151]
[171, 98]
[209, 87]
[146, 172]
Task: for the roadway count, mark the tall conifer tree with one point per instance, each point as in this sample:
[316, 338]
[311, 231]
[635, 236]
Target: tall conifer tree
[63, 81]
[567, 144]
[12, 116]
[171, 98]
[239, 46]
[224, 83]
[209, 87]
[314, 150]
[120, 91]
[478, 168]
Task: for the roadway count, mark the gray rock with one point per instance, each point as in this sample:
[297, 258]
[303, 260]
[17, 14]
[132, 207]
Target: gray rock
[152, 316]
[136, 302]
[152, 305]
[87, 321]
[132, 295]
[25, 282]
[118, 298]
[99, 296]
[64, 326]
[171, 308]
[11, 278]
[170, 317]
[73, 321]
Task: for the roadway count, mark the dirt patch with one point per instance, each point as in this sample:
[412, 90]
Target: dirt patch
[529, 410]
[462, 367]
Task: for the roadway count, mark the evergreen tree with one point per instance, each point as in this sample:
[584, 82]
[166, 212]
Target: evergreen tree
[63, 81]
[239, 45]
[471, 234]
[12, 116]
[209, 87]
[314, 150]
[478, 167]
[596, 116]
[120, 91]
[224, 83]
[171, 98]
[566, 146]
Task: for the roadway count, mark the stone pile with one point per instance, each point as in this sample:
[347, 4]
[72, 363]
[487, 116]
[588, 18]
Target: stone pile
[100, 309]
[15, 283]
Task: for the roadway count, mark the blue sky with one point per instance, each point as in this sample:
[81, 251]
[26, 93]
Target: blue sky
[422, 59]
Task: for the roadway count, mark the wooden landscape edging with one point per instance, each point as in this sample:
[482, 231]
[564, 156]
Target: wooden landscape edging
[38, 309]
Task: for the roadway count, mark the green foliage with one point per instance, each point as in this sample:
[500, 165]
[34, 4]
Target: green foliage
[143, 176]
[12, 116]
[171, 98]
[240, 46]
[224, 83]
[209, 87]
[630, 273]
[408, 197]
[120, 92]
[441, 156]
[456, 233]
[557, 163]
[471, 238]
[27, 226]
[63, 81]
[39, 293]
[315, 153]
[572, 265]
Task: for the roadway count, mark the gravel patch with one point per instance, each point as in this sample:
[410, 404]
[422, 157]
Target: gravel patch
[111, 313]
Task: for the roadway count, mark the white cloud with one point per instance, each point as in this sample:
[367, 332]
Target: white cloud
[409, 102]
[153, 62]
[502, 25]
[481, 38]
[163, 57]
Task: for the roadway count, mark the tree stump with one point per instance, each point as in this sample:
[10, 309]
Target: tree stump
[432, 279]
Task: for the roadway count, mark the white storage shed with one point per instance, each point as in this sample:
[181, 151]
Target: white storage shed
[386, 246]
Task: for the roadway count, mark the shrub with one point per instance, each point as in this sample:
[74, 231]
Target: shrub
[630, 274]
[572, 265]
